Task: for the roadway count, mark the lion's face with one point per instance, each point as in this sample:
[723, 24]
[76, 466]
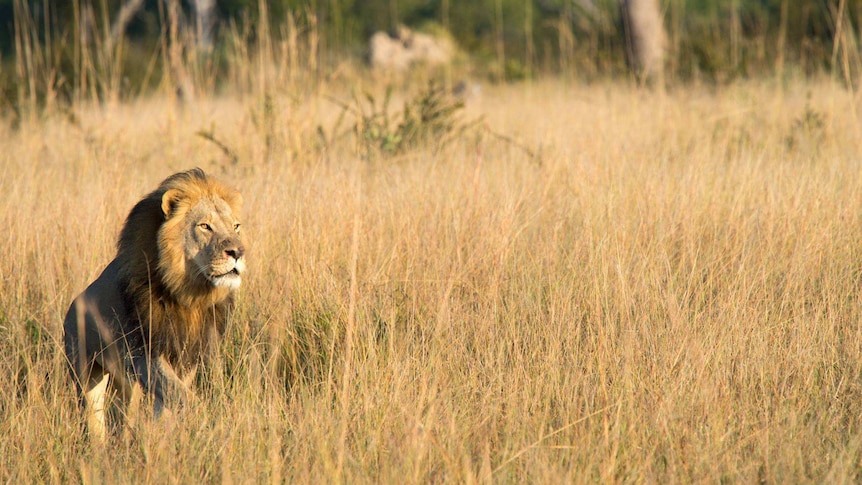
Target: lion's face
[201, 251]
[212, 243]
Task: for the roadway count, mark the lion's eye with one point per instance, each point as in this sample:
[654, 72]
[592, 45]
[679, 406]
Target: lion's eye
[236, 227]
[206, 227]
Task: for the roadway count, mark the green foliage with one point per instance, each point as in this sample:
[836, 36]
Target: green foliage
[430, 115]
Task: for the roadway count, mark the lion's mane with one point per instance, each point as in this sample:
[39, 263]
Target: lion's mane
[176, 312]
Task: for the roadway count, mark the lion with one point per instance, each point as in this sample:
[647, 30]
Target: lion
[157, 309]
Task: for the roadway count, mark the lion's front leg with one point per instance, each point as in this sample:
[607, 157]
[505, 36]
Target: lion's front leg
[176, 388]
[159, 379]
[95, 405]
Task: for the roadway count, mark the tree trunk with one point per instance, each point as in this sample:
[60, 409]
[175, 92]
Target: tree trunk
[205, 20]
[183, 87]
[127, 12]
[645, 38]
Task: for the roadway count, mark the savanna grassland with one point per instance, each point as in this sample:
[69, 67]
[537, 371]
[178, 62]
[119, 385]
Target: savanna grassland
[591, 283]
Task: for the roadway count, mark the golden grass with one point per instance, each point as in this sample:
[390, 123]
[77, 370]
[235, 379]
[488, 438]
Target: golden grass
[669, 293]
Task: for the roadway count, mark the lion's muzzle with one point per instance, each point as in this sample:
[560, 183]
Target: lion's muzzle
[228, 264]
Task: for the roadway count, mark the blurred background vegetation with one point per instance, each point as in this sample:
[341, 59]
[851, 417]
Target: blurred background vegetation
[57, 50]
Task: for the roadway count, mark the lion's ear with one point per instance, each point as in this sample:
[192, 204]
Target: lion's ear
[169, 201]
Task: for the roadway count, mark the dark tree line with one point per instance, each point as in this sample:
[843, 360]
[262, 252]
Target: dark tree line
[713, 39]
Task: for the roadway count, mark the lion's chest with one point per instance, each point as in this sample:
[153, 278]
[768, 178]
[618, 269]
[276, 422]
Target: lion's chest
[184, 335]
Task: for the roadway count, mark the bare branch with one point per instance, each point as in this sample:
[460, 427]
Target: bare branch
[128, 11]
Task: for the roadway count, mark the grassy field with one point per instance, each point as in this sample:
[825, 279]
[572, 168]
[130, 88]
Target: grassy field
[630, 286]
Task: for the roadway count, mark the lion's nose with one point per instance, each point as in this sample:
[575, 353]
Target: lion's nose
[235, 252]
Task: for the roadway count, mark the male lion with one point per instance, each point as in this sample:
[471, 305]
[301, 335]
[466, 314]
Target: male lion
[153, 312]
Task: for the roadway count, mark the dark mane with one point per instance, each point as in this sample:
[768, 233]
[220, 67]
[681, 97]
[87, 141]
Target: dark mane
[176, 325]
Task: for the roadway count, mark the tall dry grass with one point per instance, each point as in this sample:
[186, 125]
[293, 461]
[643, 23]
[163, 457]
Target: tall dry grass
[669, 292]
